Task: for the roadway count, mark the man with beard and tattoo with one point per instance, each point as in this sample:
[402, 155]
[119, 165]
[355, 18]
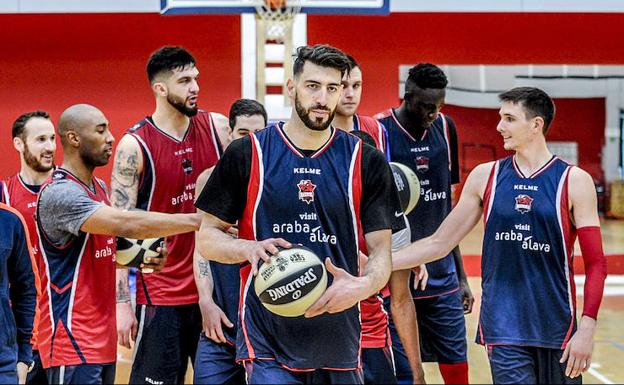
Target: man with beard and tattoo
[33, 137]
[156, 166]
[258, 183]
[425, 140]
[77, 228]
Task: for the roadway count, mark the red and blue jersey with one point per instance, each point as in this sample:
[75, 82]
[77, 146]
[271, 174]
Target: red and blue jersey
[374, 128]
[77, 306]
[528, 283]
[430, 158]
[17, 195]
[313, 200]
[167, 185]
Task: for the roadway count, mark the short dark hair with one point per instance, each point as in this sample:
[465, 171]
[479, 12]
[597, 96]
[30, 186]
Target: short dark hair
[20, 122]
[323, 55]
[168, 58]
[427, 75]
[534, 101]
[246, 107]
[352, 62]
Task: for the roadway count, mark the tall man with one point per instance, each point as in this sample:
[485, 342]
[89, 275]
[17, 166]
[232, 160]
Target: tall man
[156, 167]
[18, 296]
[377, 358]
[34, 139]
[218, 284]
[77, 333]
[534, 205]
[257, 183]
[420, 137]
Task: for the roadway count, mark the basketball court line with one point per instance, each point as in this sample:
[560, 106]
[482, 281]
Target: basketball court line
[597, 375]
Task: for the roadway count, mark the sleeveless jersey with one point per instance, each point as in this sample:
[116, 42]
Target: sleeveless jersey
[313, 200]
[77, 324]
[528, 283]
[24, 200]
[374, 128]
[430, 158]
[167, 185]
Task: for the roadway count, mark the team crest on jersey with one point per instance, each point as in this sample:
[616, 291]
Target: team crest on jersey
[187, 166]
[422, 164]
[523, 203]
[306, 190]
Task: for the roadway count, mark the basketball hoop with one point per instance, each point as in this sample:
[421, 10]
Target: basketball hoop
[277, 17]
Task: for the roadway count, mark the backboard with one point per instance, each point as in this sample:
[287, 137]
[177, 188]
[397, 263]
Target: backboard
[361, 7]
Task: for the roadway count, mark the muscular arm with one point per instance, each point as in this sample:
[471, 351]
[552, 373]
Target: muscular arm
[453, 229]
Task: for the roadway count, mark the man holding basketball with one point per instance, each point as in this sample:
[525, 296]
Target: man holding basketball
[303, 172]
[425, 140]
[534, 205]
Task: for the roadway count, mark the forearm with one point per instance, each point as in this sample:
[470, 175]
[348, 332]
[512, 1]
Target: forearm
[420, 252]
[122, 287]
[203, 277]
[142, 225]
[379, 266]
[213, 243]
[459, 264]
[404, 317]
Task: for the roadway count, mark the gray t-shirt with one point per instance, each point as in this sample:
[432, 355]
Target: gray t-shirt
[63, 207]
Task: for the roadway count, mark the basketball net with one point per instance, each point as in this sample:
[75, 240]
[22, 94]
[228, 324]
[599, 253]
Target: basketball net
[277, 18]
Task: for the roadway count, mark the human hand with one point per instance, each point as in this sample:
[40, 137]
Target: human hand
[263, 250]
[127, 324]
[22, 372]
[420, 276]
[578, 351]
[152, 264]
[466, 295]
[212, 319]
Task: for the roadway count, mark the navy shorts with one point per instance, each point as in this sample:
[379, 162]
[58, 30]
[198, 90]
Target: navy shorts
[271, 372]
[82, 374]
[216, 364]
[166, 339]
[378, 366]
[37, 375]
[442, 329]
[511, 364]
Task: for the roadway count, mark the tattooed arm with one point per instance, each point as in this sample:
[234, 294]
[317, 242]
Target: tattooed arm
[127, 168]
[212, 315]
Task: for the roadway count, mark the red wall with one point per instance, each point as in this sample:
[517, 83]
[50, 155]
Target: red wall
[53, 61]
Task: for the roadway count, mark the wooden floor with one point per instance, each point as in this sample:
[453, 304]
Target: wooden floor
[607, 367]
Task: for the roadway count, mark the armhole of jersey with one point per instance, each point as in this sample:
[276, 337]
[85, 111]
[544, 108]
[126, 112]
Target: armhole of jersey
[247, 225]
[147, 162]
[447, 138]
[4, 194]
[490, 190]
[355, 196]
[215, 135]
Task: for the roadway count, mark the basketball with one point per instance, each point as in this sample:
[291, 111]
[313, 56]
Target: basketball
[132, 252]
[293, 280]
[408, 185]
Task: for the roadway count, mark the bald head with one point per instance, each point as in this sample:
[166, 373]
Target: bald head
[77, 117]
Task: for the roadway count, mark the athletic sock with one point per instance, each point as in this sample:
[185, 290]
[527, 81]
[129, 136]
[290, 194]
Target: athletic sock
[454, 373]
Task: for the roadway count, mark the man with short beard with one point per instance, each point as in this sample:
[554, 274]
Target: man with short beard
[258, 183]
[77, 228]
[156, 168]
[33, 138]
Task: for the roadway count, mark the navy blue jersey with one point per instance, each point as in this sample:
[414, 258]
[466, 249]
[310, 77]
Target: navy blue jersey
[528, 284]
[313, 200]
[430, 158]
[225, 293]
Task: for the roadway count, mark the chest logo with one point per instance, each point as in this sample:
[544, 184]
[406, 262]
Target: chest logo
[306, 190]
[523, 203]
[187, 166]
[422, 163]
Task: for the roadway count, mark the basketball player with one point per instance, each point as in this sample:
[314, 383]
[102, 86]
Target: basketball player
[77, 333]
[420, 137]
[33, 137]
[18, 297]
[156, 167]
[264, 182]
[534, 205]
[215, 362]
[377, 358]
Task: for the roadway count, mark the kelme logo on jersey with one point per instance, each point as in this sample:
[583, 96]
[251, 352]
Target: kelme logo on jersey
[422, 164]
[523, 203]
[306, 190]
[187, 166]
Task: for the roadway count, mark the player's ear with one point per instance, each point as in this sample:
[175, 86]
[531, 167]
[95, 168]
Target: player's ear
[290, 86]
[537, 124]
[159, 89]
[18, 144]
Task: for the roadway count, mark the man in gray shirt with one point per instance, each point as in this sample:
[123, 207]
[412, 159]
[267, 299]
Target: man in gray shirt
[77, 229]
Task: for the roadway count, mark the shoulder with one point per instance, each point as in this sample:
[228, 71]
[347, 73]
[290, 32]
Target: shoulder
[383, 115]
[10, 215]
[481, 173]
[450, 123]
[128, 142]
[580, 183]
[372, 156]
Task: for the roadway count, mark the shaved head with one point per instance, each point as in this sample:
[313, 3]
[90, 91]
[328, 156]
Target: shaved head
[76, 117]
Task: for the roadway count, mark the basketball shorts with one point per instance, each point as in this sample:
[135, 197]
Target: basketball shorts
[378, 366]
[37, 375]
[216, 364]
[82, 374]
[403, 371]
[167, 337]
[271, 372]
[442, 329]
[511, 364]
